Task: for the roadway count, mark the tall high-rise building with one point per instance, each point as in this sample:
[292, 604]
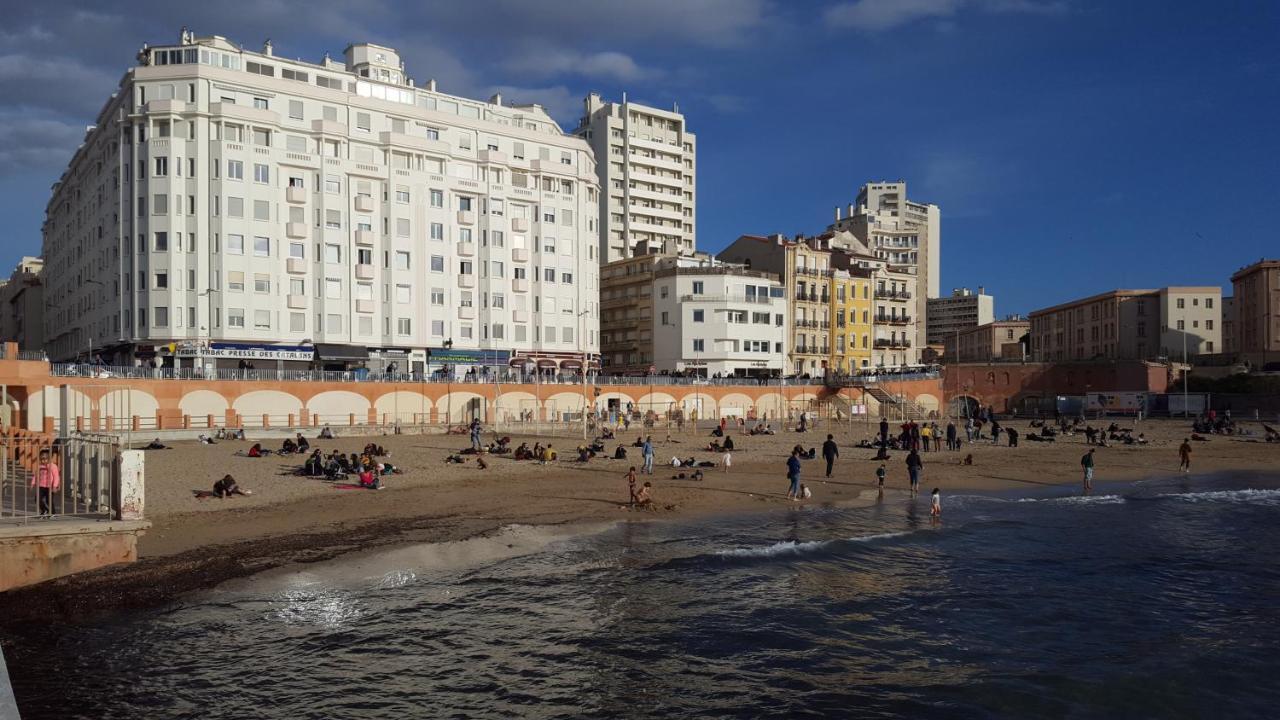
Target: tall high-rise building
[230, 204]
[899, 231]
[960, 311]
[646, 163]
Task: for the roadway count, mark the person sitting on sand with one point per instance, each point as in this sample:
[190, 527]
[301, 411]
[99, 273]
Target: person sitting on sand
[326, 433]
[156, 445]
[697, 475]
[288, 447]
[222, 489]
[728, 443]
[548, 454]
[715, 447]
[454, 459]
[644, 496]
[638, 443]
[206, 440]
[596, 446]
[303, 445]
[314, 467]
[606, 433]
[256, 450]
[620, 453]
[584, 455]
[221, 434]
[522, 452]
[537, 452]
[369, 479]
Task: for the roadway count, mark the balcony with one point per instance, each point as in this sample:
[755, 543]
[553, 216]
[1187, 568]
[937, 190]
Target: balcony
[892, 343]
[466, 281]
[298, 266]
[364, 203]
[329, 127]
[811, 297]
[466, 312]
[520, 254]
[813, 272]
[364, 306]
[466, 217]
[893, 319]
[364, 237]
[297, 302]
[364, 272]
[295, 194]
[520, 285]
[892, 295]
[466, 249]
[493, 156]
[295, 229]
[519, 224]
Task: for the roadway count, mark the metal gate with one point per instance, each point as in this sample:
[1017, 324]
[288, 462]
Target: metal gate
[88, 483]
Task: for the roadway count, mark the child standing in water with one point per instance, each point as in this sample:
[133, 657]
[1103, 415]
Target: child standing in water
[936, 510]
[880, 473]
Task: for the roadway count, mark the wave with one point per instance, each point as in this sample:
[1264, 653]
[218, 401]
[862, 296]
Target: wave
[1065, 499]
[788, 547]
[1251, 496]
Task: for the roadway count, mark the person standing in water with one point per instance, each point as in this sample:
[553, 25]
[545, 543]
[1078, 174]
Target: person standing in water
[936, 509]
[880, 473]
[914, 466]
[1184, 455]
[1086, 463]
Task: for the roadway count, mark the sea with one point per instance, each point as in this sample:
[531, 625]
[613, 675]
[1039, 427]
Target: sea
[1158, 599]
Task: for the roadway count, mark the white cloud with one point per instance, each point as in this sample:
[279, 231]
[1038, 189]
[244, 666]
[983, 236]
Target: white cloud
[608, 65]
[728, 104]
[880, 15]
[561, 103]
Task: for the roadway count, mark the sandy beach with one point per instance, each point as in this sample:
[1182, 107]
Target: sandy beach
[197, 543]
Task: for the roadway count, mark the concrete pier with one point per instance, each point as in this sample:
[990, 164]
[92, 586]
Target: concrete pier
[43, 550]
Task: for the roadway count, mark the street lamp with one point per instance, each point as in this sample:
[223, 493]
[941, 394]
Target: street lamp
[582, 338]
[208, 293]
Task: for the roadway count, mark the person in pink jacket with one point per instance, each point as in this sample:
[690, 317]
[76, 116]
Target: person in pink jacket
[47, 478]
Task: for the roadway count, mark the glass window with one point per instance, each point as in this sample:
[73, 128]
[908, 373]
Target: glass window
[261, 247]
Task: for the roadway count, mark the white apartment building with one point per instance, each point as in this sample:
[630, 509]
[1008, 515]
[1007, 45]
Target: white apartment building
[714, 317]
[962, 310]
[241, 205]
[646, 161]
[899, 231]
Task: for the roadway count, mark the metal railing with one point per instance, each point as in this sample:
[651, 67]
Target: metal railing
[86, 487]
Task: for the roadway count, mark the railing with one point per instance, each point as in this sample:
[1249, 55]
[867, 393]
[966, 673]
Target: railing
[894, 319]
[893, 295]
[142, 373]
[87, 484]
[754, 299]
[884, 343]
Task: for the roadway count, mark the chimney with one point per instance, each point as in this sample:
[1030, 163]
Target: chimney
[850, 209]
[837, 213]
[431, 85]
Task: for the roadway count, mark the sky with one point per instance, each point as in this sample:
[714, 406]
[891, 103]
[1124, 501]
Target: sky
[1072, 146]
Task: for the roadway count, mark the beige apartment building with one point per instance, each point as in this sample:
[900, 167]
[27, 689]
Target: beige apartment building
[22, 305]
[1130, 325]
[1257, 308]
[899, 231]
[996, 340]
[646, 160]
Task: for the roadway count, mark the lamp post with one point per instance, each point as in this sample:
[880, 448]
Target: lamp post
[582, 338]
[448, 388]
[208, 293]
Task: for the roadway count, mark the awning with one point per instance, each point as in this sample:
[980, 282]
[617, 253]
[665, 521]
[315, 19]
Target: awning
[546, 363]
[325, 351]
[570, 364]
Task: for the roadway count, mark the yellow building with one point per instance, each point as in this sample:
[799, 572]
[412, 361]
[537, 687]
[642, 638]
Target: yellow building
[851, 320]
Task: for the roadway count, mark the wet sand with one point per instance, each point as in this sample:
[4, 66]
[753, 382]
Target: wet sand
[196, 543]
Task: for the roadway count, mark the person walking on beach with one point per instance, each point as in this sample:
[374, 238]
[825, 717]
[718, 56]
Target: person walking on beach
[1013, 437]
[793, 475]
[647, 453]
[1184, 455]
[936, 507]
[475, 434]
[914, 466]
[1086, 463]
[47, 479]
[951, 436]
[830, 452]
[995, 432]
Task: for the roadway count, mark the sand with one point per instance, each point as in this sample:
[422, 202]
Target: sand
[195, 544]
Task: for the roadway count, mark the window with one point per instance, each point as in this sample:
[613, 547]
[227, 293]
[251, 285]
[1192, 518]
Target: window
[262, 136]
[549, 275]
[402, 227]
[465, 267]
[261, 173]
[162, 281]
[403, 326]
[332, 288]
[1208, 303]
[437, 263]
[235, 207]
[333, 254]
[437, 231]
[333, 219]
[1182, 303]
[162, 242]
[162, 166]
[364, 291]
[297, 286]
[235, 244]
[437, 198]
[297, 322]
[699, 346]
[364, 256]
[261, 283]
[1182, 324]
[362, 122]
[333, 324]
[402, 196]
[1208, 324]
[566, 278]
[332, 185]
[465, 203]
[235, 317]
[698, 287]
[295, 108]
[298, 250]
[262, 319]
[261, 210]
[437, 328]
[437, 294]
[497, 269]
[261, 247]
[235, 170]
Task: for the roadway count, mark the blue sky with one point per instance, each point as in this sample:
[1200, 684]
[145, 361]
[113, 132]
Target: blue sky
[1073, 146]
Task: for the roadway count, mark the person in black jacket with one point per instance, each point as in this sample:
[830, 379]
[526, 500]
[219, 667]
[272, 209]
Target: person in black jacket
[830, 452]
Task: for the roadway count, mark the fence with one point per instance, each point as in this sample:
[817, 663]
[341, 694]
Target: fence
[88, 467]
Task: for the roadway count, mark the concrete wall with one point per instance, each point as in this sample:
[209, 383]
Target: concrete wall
[1005, 386]
[34, 553]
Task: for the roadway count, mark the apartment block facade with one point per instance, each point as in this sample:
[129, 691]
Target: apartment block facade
[22, 305]
[646, 160]
[1256, 290]
[992, 341]
[962, 310]
[899, 231]
[691, 315]
[1130, 325]
[236, 204]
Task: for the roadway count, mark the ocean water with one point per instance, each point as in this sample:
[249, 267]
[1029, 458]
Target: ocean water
[1158, 599]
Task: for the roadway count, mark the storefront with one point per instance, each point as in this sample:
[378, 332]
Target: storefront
[341, 357]
[235, 355]
[460, 362]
